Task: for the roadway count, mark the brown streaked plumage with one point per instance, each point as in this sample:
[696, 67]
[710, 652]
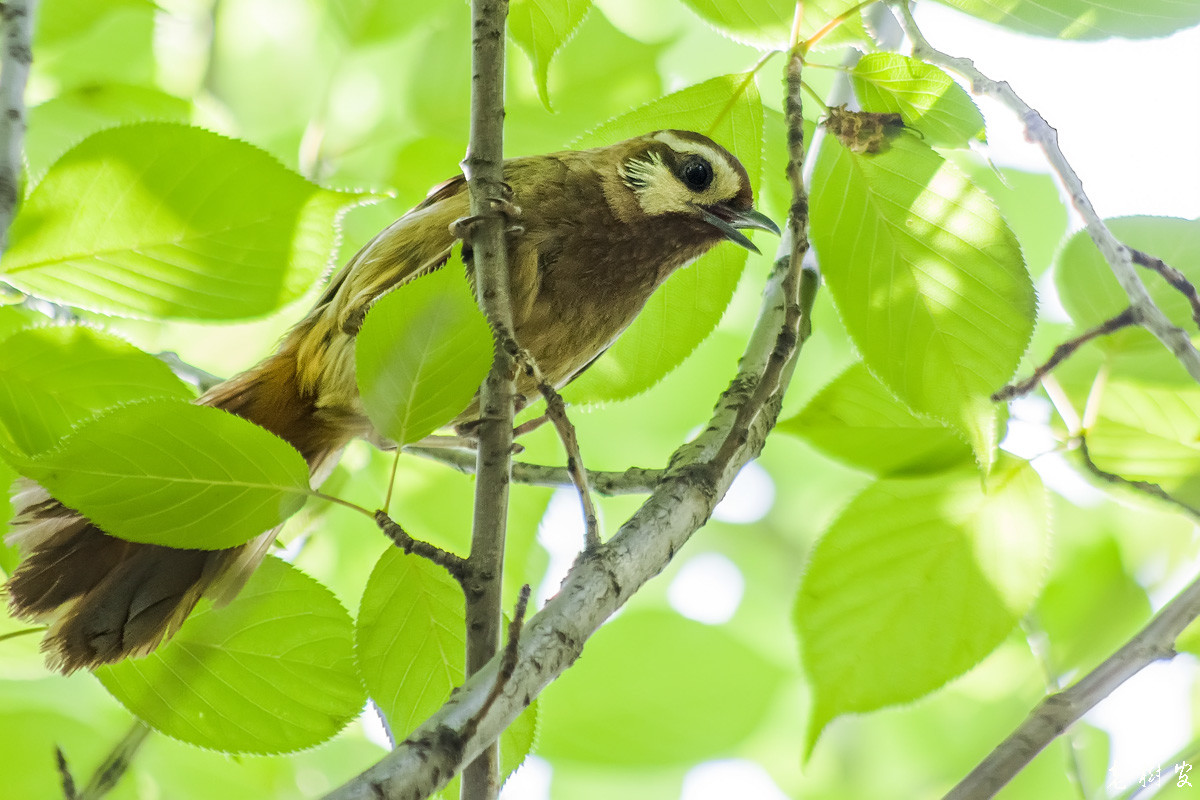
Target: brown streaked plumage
[601, 230]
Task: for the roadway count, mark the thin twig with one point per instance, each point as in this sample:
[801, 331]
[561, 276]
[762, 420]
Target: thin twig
[1145, 487]
[1064, 351]
[15, 59]
[790, 332]
[116, 764]
[508, 663]
[1120, 258]
[452, 563]
[556, 411]
[1172, 276]
[64, 774]
[635, 480]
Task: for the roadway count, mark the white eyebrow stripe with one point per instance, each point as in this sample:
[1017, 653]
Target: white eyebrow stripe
[726, 181]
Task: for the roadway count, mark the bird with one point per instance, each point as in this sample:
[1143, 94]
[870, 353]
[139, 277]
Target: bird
[598, 231]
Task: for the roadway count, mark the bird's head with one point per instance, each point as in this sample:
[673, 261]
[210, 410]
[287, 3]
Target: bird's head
[680, 172]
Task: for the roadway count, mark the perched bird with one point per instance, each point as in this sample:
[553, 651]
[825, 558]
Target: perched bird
[599, 231]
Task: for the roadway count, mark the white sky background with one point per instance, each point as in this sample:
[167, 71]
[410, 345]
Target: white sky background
[1128, 118]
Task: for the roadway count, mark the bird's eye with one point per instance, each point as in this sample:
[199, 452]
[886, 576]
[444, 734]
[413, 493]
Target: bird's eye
[697, 174]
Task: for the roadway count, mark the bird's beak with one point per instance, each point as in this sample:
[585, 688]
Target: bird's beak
[727, 220]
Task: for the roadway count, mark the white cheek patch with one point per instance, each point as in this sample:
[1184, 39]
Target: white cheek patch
[657, 189]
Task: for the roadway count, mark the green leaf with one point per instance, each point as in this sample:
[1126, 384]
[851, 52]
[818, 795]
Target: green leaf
[271, 672]
[410, 638]
[686, 309]
[541, 28]
[680, 676]
[53, 378]
[928, 280]
[914, 583]
[411, 647]
[62, 121]
[173, 473]
[1147, 433]
[422, 353]
[925, 97]
[162, 220]
[768, 23]
[1085, 19]
[857, 420]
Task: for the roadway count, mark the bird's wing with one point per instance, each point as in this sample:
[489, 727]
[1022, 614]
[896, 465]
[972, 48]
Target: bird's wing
[414, 245]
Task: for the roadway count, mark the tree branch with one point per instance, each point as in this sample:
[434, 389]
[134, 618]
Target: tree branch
[635, 480]
[484, 168]
[17, 17]
[1120, 258]
[1056, 712]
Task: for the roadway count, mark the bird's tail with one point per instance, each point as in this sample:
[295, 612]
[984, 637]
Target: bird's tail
[105, 599]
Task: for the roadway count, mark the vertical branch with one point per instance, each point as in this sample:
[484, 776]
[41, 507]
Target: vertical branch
[17, 17]
[485, 176]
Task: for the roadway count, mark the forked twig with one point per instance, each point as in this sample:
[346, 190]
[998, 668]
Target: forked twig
[1064, 351]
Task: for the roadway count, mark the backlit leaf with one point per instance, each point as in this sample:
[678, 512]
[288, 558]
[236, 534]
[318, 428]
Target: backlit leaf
[52, 378]
[271, 672]
[927, 278]
[541, 28]
[857, 420]
[173, 473]
[1085, 19]
[411, 647]
[164, 220]
[422, 353]
[914, 583]
[926, 98]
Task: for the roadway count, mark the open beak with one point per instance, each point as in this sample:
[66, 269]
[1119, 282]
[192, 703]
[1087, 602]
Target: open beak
[728, 220]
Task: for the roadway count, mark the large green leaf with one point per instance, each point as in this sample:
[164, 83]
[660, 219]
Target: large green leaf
[857, 420]
[173, 473]
[684, 311]
[541, 28]
[927, 278]
[1086, 19]
[52, 378]
[411, 647]
[915, 582]
[271, 672]
[422, 353]
[676, 678]
[163, 220]
[925, 97]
